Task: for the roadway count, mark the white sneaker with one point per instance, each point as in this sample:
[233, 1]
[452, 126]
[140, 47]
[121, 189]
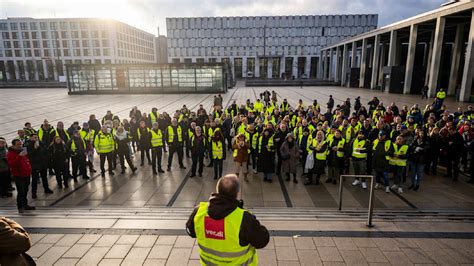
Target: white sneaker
[254, 171]
[394, 187]
[377, 186]
[356, 182]
[400, 190]
[364, 185]
[387, 189]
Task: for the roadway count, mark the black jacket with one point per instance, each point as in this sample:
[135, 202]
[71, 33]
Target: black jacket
[251, 231]
[38, 157]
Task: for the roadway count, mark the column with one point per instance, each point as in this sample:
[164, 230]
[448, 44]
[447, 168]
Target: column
[436, 56]
[383, 51]
[337, 76]
[269, 67]
[307, 66]
[320, 66]
[468, 74]
[325, 65]
[392, 49]
[257, 67]
[282, 65]
[363, 63]
[375, 62]
[244, 67]
[295, 67]
[345, 59]
[354, 55]
[410, 58]
[25, 68]
[429, 46]
[331, 64]
[17, 70]
[455, 59]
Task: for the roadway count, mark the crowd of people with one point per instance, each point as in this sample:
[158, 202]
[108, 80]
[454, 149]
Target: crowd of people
[265, 136]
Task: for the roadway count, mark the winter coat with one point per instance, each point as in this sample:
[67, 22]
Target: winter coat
[95, 125]
[242, 152]
[199, 145]
[14, 242]
[417, 151]
[3, 160]
[58, 155]
[38, 156]
[251, 231]
[144, 141]
[266, 158]
[289, 165]
[454, 145]
[333, 160]
[122, 143]
[379, 161]
[19, 165]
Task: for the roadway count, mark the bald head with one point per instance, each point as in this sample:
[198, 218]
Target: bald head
[228, 185]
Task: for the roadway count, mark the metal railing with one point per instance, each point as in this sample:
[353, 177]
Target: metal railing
[371, 195]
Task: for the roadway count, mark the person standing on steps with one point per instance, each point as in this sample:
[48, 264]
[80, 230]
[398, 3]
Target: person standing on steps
[198, 150]
[38, 156]
[174, 138]
[240, 153]
[88, 135]
[144, 142]
[266, 155]
[122, 140]
[218, 153]
[360, 148]
[382, 150]
[319, 149]
[104, 145]
[59, 161]
[76, 147]
[398, 162]
[335, 160]
[290, 156]
[157, 142]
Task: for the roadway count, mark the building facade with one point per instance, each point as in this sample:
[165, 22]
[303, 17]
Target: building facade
[38, 49]
[263, 47]
[161, 46]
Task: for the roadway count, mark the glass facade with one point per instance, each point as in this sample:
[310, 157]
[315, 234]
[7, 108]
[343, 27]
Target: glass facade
[146, 78]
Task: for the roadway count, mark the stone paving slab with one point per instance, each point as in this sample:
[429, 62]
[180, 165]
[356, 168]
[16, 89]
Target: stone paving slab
[281, 251]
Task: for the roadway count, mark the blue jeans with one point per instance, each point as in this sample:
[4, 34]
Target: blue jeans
[378, 178]
[416, 172]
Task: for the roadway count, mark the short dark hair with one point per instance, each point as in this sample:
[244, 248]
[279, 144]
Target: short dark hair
[228, 185]
[15, 141]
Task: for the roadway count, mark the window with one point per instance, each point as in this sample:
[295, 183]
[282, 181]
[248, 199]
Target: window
[73, 25]
[96, 43]
[3, 26]
[16, 44]
[46, 53]
[63, 25]
[37, 53]
[105, 52]
[75, 34]
[34, 35]
[24, 26]
[5, 35]
[53, 25]
[27, 53]
[85, 34]
[7, 44]
[66, 52]
[36, 44]
[95, 34]
[44, 35]
[86, 52]
[8, 53]
[85, 43]
[77, 52]
[33, 26]
[64, 34]
[96, 52]
[25, 35]
[104, 34]
[18, 53]
[13, 26]
[45, 44]
[26, 44]
[43, 26]
[65, 44]
[15, 35]
[105, 43]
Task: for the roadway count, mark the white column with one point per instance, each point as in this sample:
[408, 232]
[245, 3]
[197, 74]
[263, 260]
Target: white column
[345, 59]
[392, 49]
[17, 70]
[244, 67]
[331, 64]
[257, 67]
[337, 76]
[354, 55]
[436, 56]
[375, 62]
[325, 64]
[429, 46]
[269, 67]
[468, 74]
[295, 67]
[455, 59]
[410, 58]
[307, 66]
[25, 68]
[363, 63]
[382, 64]
[282, 65]
[320, 65]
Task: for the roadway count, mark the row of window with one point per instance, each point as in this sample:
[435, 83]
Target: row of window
[59, 44]
[131, 47]
[55, 35]
[54, 52]
[135, 40]
[244, 51]
[279, 21]
[269, 32]
[63, 25]
[142, 56]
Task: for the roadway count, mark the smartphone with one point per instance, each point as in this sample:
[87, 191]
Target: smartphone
[24, 150]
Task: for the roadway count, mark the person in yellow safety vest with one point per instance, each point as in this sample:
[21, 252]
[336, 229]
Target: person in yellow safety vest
[398, 161]
[122, 140]
[157, 142]
[359, 148]
[104, 145]
[61, 132]
[154, 115]
[318, 148]
[382, 150]
[218, 152]
[88, 135]
[284, 107]
[226, 233]
[210, 133]
[252, 136]
[77, 149]
[241, 153]
[174, 138]
[109, 117]
[242, 126]
[316, 106]
[144, 136]
[335, 160]
[441, 95]
[199, 147]
[269, 120]
[258, 106]
[266, 155]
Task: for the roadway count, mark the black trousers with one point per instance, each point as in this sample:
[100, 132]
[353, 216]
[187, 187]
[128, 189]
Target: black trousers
[217, 168]
[432, 164]
[156, 155]
[79, 163]
[62, 175]
[125, 157]
[37, 174]
[198, 158]
[144, 152]
[5, 182]
[453, 166]
[22, 185]
[175, 148]
[253, 156]
[102, 158]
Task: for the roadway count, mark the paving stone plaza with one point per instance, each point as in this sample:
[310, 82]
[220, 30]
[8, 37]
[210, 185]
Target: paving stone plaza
[134, 219]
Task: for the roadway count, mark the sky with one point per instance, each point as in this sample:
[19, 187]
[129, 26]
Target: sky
[148, 15]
